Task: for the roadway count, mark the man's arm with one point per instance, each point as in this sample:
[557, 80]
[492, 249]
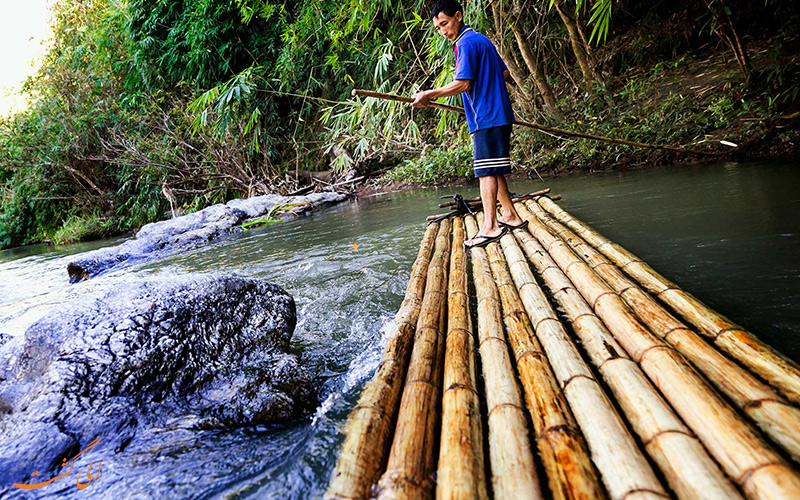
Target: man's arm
[423, 98]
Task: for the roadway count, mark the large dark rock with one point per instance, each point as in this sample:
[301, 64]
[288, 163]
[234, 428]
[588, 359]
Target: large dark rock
[168, 237]
[191, 352]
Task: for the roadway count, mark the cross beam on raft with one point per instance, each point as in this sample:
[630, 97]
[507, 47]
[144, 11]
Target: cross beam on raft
[542, 128]
[614, 397]
[514, 197]
[475, 205]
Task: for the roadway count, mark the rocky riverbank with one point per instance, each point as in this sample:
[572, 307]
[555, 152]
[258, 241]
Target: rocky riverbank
[186, 232]
[174, 355]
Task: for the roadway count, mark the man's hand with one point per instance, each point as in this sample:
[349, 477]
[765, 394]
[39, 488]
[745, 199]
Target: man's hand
[421, 99]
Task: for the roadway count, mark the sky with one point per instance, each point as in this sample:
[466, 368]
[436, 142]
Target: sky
[24, 29]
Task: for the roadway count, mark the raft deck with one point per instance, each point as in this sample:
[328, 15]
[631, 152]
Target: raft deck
[634, 389]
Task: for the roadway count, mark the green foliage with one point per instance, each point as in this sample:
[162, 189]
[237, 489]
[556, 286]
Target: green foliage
[264, 221]
[780, 81]
[227, 103]
[720, 108]
[271, 217]
[440, 165]
[47, 147]
[77, 228]
[600, 20]
[91, 147]
[196, 43]
[147, 109]
[24, 218]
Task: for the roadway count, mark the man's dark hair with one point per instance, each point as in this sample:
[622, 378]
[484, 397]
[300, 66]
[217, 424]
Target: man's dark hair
[449, 7]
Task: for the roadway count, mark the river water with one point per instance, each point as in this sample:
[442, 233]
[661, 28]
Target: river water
[727, 232]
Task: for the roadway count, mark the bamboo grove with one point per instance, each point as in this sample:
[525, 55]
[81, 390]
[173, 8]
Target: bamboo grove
[145, 108]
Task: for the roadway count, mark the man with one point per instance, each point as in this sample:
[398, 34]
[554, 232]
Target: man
[480, 79]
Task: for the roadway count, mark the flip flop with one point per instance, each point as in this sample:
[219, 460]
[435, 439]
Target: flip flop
[512, 228]
[486, 239]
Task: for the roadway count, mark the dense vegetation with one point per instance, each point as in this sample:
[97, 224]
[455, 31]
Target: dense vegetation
[143, 108]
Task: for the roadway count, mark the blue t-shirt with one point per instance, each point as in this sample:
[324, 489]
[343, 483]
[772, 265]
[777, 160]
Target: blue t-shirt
[486, 103]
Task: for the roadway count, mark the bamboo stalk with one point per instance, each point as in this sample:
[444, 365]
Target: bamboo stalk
[741, 452]
[412, 458]
[612, 447]
[511, 459]
[690, 472]
[461, 466]
[775, 416]
[541, 128]
[369, 426]
[782, 373]
[563, 451]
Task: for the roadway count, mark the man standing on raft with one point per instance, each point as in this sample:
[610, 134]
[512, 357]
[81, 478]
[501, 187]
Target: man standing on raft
[481, 79]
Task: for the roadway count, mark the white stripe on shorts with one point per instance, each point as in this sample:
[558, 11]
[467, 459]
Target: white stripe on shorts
[495, 164]
[506, 159]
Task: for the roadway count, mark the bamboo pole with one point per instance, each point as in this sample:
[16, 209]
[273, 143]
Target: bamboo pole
[775, 416]
[412, 458]
[511, 459]
[782, 373]
[461, 466]
[688, 469]
[612, 447]
[741, 452]
[539, 127]
[369, 426]
[563, 451]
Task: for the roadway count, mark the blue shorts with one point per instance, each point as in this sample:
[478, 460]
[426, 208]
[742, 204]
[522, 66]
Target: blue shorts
[492, 151]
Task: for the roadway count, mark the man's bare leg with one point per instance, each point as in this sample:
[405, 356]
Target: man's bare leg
[510, 215]
[489, 186]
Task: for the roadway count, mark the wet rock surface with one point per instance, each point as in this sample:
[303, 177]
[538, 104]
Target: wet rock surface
[168, 237]
[156, 360]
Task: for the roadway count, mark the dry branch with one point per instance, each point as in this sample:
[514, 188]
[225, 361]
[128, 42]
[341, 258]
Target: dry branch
[543, 128]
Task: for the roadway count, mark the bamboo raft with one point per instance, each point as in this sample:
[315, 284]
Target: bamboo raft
[634, 390]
